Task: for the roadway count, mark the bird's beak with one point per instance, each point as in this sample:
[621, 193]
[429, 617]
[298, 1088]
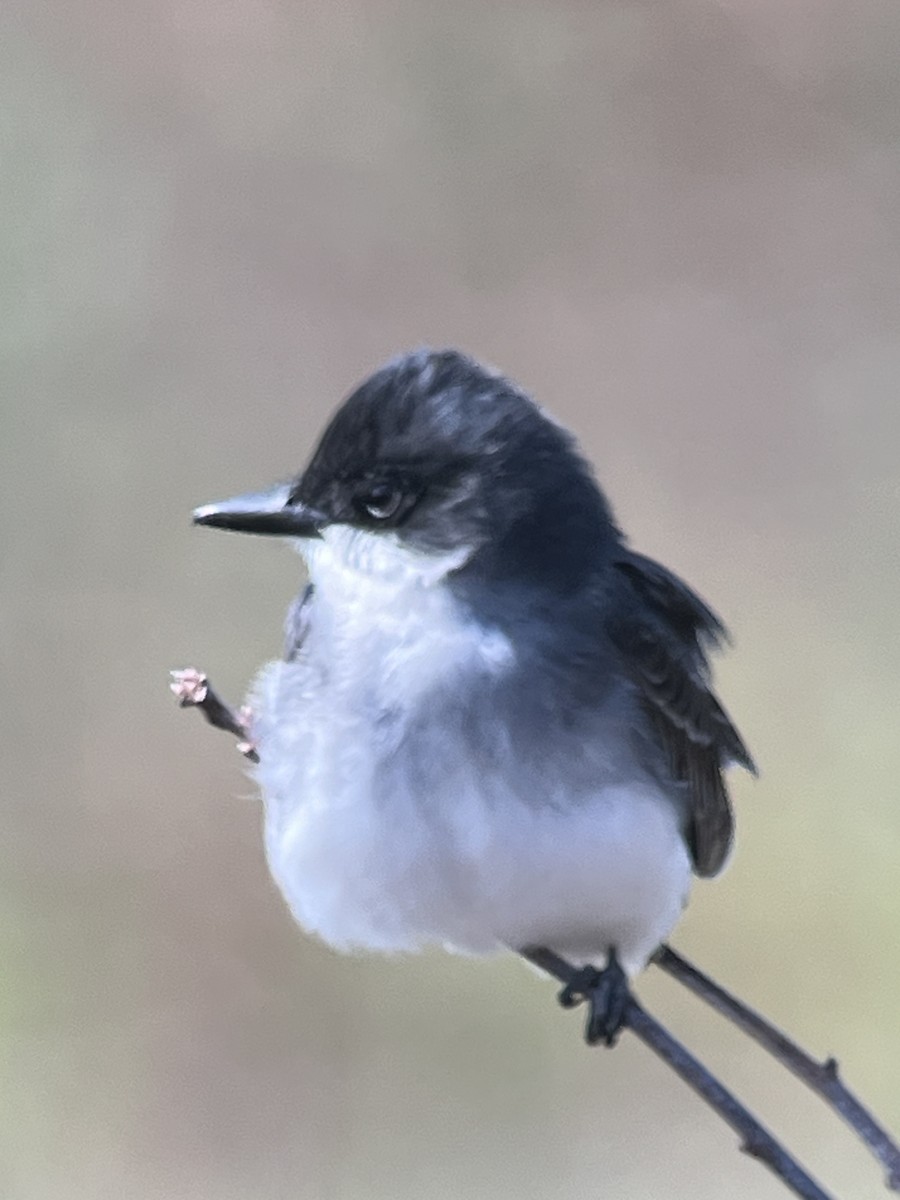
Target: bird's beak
[271, 512]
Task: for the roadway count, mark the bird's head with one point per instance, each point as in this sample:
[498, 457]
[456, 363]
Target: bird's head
[438, 458]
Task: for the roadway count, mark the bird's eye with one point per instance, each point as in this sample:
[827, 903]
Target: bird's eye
[380, 502]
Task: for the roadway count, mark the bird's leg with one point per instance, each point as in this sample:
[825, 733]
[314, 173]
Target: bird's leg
[607, 995]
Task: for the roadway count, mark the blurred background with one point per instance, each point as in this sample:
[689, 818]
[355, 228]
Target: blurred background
[678, 224]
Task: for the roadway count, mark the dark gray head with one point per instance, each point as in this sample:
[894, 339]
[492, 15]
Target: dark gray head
[443, 454]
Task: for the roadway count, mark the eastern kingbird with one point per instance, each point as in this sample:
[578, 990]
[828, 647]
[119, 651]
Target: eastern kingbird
[493, 726]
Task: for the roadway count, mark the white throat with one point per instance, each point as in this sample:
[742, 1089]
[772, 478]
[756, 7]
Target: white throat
[383, 619]
[351, 558]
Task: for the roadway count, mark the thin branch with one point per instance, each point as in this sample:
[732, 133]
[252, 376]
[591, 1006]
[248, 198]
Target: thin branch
[193, 691]
[821, 1077]
[755, 1138]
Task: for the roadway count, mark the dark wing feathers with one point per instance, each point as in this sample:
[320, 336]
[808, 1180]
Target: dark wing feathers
[664, 642]
[296, 624]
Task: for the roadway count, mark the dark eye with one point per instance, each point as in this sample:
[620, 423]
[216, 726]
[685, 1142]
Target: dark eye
[381, 501]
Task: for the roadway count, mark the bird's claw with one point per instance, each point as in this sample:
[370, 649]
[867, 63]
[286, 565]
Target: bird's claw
[606, 993]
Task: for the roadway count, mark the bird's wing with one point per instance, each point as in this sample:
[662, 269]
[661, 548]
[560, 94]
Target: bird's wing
[296, 624]
[664, 639]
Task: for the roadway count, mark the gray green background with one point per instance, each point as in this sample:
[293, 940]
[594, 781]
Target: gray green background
[677, 223]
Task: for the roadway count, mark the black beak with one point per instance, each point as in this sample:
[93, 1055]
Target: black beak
[270, 512]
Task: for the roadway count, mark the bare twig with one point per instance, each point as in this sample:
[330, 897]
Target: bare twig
[755, 1139]
[193, 691]
[820, 1077]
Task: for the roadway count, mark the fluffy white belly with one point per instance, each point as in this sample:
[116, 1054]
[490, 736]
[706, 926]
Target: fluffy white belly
[398, 858]
[390, 842]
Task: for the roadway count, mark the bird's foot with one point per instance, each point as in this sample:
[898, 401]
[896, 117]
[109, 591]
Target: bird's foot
[607, 994]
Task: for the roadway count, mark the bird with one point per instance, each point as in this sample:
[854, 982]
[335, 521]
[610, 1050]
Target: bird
[493, 727]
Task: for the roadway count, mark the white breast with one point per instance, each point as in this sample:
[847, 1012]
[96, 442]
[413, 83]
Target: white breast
[390, 842]
[384, 630]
